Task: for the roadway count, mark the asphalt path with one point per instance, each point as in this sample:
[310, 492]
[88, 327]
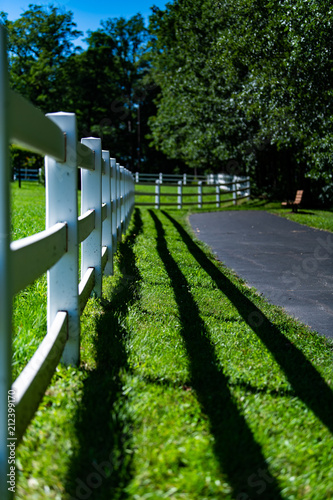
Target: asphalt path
[290, 264]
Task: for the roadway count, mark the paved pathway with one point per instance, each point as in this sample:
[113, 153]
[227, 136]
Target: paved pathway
[291, 264]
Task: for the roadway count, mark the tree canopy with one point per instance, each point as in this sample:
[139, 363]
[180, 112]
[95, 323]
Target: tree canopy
[246, 85]
[40, 42]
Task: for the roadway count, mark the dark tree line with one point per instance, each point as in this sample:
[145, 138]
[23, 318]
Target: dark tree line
[212, 85]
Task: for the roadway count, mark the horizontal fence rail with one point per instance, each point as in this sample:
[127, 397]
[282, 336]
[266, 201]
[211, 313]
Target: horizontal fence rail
[238, 188]
[107, 201]
[142, 178]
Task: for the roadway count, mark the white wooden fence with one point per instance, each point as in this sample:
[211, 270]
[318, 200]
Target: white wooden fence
[107, 200]
[239, 188]
[26, 174]
[222, 179]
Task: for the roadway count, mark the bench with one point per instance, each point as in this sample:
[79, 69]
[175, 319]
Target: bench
[296, 203]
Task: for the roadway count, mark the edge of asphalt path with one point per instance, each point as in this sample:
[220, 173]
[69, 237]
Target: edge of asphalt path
[289, 263]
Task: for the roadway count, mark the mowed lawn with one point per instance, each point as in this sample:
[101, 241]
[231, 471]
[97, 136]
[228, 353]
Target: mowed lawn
[191, 386]
[145, 194]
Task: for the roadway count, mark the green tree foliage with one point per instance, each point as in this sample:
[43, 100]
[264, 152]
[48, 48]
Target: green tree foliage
[105, 85]
[40, 42]
[246, 86]
[106, 80]
[192, 98]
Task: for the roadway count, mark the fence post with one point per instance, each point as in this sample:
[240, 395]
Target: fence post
[248, 188]
[132, 196]
[107, 223]
[157, 193]
[234, 190]
[199, 194]
[125, 171]
[118, 202]
[113, 205]
[61, 206]
[180, 194]
[122, 201]
[217, 191]
[160, 177]
[137, 177]
[91, 199]
[129, 182]
[184, 179]
[5, 268]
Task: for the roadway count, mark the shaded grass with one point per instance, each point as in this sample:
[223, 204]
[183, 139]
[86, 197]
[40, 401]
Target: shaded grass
[191, 386]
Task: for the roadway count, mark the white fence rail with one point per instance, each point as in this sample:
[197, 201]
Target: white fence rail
[142, 178]
[107, 201]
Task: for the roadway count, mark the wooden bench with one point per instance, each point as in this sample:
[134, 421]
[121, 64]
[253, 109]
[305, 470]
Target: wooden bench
[296, 203]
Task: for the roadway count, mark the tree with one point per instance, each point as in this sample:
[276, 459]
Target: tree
[246, 86]
[40, 42]
[129, 46]
[190, 106]
[107, 81]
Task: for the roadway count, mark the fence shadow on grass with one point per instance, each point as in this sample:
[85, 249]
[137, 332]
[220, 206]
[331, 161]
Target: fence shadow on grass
[240, 456]
[307, 383]
[101, 468]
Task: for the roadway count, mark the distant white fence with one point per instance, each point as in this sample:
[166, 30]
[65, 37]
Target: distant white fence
[239, 188]
[211, 179]
[107, 200]
[27, 174]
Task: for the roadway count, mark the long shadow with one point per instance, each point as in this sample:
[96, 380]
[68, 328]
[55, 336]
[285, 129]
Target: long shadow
[101, 467]
[239, 454]
[308, 385]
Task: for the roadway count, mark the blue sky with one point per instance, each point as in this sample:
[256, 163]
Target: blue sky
[87, 13]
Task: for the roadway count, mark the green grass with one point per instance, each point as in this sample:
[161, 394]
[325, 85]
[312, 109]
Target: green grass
[169, 194]
[29, 319]
[318, 219]
[191, 386]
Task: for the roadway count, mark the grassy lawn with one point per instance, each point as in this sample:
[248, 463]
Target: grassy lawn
[29, 320]
[190, 194]
[319, 219]
[191, 385]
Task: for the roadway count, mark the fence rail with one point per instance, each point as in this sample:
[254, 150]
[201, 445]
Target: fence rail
[146, 178]
[107, 201]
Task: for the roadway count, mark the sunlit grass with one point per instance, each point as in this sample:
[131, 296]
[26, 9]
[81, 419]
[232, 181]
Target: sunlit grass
[319, 219]
[29, 318]
[169, 195]
[191, 386]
